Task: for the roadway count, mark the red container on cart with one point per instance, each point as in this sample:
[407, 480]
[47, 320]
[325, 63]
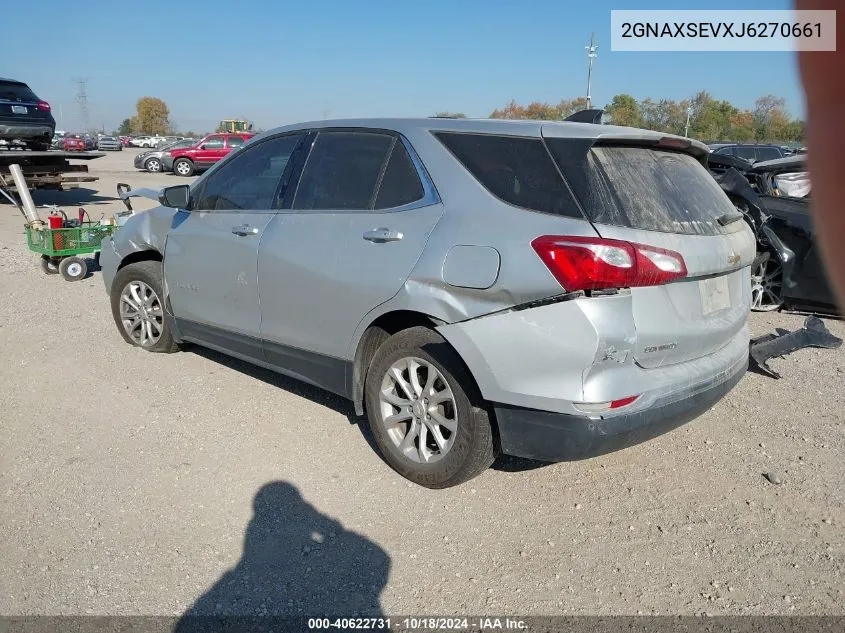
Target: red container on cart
[56, 222]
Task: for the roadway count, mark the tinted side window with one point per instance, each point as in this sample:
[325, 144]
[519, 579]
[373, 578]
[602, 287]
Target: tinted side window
[213, 142]
[768, 153]
[746, 152]
[235, 141]
[251, 178]
[516, 170]
[343, 171]
[401, 182]
[725, 150]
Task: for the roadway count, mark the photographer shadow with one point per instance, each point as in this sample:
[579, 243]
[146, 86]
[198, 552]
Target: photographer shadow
[296, 563]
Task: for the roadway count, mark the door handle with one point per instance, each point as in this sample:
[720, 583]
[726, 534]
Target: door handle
[244, 230]
[380, 236]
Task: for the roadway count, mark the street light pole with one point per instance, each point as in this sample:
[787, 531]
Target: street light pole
[689, 114]
[591, 56]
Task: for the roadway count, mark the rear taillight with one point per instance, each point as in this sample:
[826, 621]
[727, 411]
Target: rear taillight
[593, 263]
[43, 105]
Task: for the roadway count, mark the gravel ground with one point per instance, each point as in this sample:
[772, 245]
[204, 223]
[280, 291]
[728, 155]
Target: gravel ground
[135, 483]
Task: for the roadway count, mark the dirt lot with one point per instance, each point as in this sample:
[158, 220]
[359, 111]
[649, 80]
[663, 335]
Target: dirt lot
[135, 483]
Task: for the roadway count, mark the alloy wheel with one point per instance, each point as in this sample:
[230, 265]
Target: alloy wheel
[153, 165]
[418, 410]
[766, 281]
[141, 313]
[183, 168]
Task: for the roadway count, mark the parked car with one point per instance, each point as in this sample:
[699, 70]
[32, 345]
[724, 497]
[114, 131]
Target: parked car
[751, 152]
[58, 141]
[125, 141]
[443, 275]
[787, 271]
[73, 143]
[24, 117]
[109, 143]
[90, 142]
[210, 150]
[151, 160]
[138, 141]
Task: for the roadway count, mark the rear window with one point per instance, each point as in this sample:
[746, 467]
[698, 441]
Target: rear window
[643, 188]
[517, 170]
[768, 153]
[13, 91]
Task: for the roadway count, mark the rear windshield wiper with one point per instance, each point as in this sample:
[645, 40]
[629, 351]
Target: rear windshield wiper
[728, 218]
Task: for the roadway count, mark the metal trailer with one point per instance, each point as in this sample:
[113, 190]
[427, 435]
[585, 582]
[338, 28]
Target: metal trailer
[46, 170]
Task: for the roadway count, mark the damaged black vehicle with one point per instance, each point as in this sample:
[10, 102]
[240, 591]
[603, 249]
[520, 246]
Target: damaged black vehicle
[774, 198]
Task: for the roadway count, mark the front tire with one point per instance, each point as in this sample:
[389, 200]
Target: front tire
[73, 268]
[183, 167]
[137, 305]
[153, 165]
[425, 412]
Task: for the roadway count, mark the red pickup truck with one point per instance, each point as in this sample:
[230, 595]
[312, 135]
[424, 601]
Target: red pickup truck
[189, 160]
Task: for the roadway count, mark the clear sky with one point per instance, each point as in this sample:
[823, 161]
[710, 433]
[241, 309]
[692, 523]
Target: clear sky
[277, 62]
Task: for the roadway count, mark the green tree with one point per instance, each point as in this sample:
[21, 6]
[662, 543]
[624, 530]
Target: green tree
[624, 110]
[742, 127]
[152, 116]
[770, 118]
[125, 127]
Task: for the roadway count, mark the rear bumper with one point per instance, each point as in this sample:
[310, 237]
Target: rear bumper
[548, 436]
[26, 129]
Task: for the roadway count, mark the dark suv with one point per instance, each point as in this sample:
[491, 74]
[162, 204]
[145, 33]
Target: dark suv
[754, 153]
[24, 118]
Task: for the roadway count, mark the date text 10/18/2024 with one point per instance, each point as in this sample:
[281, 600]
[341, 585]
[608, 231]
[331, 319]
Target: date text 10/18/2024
[418, 623]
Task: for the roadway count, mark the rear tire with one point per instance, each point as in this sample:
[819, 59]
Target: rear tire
[137, 305]
[439, 433]
[183, 167]
[48, 265]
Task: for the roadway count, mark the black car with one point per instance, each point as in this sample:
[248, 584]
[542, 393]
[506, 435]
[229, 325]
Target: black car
[752, 152]
[24, 118]
[788, 271]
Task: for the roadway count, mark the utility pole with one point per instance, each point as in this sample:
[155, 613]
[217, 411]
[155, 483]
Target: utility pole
[689, 114]
[82, 100]
[591, 56]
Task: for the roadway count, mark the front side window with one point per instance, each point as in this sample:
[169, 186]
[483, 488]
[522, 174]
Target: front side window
[746, 152]
[768, 153]
[253, 179]
[343, 171]
[213, 142]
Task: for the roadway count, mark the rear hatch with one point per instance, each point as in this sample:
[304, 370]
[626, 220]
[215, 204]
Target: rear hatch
[18, 102]
[653, 192]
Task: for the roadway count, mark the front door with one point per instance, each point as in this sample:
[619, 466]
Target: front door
[211, 256]
[211, 150]
[359, 221]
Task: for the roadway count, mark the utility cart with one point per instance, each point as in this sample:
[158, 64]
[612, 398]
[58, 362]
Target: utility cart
[61, 248]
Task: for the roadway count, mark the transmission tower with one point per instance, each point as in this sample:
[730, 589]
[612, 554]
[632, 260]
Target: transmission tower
[82, 100]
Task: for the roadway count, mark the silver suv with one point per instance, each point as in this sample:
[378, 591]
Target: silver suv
[548, 290]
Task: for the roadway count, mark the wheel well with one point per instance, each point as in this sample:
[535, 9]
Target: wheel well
[377, 333]
[141, 256]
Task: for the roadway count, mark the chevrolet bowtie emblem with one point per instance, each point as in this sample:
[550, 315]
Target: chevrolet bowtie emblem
[733, 258]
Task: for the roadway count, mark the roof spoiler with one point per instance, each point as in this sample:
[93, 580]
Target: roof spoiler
[586, 116]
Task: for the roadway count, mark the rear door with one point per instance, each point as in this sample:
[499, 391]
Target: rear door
[211, 255]
[665, 198]
[360, 217]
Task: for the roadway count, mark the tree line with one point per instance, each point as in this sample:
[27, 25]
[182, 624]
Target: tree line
[709, 119]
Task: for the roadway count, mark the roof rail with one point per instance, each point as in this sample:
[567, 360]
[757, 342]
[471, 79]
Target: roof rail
[586, 116]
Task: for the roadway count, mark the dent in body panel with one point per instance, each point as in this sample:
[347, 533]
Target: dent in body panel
[146, 230]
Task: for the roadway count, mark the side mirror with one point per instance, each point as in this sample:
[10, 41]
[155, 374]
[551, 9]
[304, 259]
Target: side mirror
[202, 146]
[176, 197]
